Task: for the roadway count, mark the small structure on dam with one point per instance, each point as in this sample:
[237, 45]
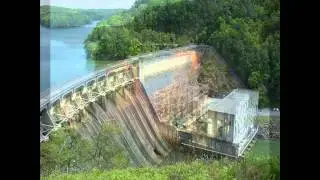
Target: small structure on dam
[227, 126]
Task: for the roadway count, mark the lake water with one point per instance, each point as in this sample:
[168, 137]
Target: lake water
[62, 55]
[63, 59]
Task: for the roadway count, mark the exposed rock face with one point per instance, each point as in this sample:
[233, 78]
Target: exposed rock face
[215, 73]
[270, 129]
[179, 99]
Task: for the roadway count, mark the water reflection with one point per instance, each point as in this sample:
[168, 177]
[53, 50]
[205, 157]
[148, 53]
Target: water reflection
[62, 55]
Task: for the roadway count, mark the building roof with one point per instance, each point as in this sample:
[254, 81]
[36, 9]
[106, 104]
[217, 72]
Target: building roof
[230, 103]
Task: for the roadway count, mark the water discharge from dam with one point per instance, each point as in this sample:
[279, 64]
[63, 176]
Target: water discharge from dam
[161, 114]
[140, 102]
[129, 108]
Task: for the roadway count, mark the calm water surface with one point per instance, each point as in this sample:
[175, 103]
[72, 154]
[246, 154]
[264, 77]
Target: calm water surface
[62, 56]
[63, 59]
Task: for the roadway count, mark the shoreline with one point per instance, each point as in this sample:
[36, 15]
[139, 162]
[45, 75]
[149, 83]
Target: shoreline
[94, 23]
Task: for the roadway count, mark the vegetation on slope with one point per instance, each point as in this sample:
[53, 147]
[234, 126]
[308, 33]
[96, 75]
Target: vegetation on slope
[68, 151]
[68, 155]
[254, 167]
[59, 17]
[215, 73]
[246, 33]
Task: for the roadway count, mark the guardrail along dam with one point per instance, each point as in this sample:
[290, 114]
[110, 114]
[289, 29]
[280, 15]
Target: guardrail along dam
[156, 100]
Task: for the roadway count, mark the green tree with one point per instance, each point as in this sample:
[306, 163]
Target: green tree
[65, 18]
[68, 151]
[245, 33]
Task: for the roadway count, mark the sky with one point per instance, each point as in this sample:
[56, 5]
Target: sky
[90, 4]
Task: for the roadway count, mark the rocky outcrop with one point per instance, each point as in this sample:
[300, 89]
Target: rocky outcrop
[215, 72]
[270, 128]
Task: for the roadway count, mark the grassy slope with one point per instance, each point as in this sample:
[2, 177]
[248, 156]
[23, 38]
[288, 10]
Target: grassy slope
[262, 166]
[195, 170]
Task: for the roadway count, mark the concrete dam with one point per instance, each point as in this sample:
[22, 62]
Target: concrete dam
[154, 98]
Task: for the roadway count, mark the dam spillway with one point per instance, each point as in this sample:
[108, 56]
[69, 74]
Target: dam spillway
[154, 99]
[120, 95]
[129, 108]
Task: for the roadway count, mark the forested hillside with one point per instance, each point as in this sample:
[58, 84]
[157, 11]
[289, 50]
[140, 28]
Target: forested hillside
[245, 32]
[59, 17]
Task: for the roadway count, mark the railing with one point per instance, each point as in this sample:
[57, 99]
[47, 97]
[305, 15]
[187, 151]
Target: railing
[56, 92]
[51, 94]
[251, 136]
